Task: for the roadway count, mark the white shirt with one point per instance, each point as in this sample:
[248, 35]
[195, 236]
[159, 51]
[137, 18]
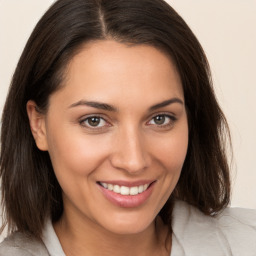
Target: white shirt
[232, 233]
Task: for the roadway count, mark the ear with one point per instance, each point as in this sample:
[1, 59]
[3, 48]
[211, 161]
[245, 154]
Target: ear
[37, 125]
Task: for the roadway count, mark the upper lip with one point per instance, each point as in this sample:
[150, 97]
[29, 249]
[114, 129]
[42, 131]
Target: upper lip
[127, 183]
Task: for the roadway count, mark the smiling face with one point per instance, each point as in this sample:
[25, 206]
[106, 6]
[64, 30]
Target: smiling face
[117, 135]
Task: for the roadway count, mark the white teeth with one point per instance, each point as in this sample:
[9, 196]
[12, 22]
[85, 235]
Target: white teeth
[116, 189]
[123, 190]
[134, 191]
[110, 187]
[141, 188]
[105, 185]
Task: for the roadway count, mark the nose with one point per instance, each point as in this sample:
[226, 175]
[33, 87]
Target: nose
[130, 152]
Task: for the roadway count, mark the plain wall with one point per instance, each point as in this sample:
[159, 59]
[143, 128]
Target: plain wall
[227, 32]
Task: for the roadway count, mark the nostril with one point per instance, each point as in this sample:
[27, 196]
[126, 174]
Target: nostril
[132, 166]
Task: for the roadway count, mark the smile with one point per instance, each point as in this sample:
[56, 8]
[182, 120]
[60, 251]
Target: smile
[127, 194]
[123, 190]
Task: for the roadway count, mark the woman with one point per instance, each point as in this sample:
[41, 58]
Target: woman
[111, 132]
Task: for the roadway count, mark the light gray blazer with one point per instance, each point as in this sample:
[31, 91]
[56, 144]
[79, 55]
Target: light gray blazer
[19, 244]
[231, 233]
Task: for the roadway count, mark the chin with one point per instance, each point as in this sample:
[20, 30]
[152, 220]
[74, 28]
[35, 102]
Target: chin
[128, 225]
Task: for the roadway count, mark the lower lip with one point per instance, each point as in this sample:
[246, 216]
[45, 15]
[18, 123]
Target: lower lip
[127, 201]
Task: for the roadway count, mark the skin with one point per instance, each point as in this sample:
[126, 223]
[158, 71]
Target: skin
[127, 144]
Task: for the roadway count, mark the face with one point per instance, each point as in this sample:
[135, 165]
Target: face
[117, 135]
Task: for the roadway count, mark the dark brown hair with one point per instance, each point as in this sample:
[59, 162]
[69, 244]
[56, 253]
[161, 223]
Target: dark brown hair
[30, 190]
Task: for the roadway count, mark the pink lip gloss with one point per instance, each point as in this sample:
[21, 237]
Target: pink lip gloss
[127, 201]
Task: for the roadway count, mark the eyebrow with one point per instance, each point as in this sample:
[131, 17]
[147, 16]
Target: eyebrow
[166, 103]
[94, 104]
[107, 107]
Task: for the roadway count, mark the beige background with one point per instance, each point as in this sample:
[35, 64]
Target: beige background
[227, 31]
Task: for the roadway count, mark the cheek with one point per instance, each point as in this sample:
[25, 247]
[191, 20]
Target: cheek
[76, 154]
[78, 160]
[74, 159]
[171, 152]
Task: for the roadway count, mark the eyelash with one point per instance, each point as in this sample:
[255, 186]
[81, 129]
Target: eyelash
[172, 120]
[87, 119]
[83, 122]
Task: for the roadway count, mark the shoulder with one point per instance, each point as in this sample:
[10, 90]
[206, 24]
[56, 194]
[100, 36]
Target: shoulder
[20, 244]
[233, 232]
[238, 226]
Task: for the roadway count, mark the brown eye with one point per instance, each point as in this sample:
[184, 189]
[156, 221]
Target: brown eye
[159, 120]
[162, 120]
[94, 122]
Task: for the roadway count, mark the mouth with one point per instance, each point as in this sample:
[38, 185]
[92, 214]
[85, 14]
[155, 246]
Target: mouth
[125, 190]
[126, 194]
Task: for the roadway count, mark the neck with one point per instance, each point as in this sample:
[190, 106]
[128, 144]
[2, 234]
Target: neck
[82, 236]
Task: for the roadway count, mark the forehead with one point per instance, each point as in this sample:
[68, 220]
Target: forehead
[108, 70]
